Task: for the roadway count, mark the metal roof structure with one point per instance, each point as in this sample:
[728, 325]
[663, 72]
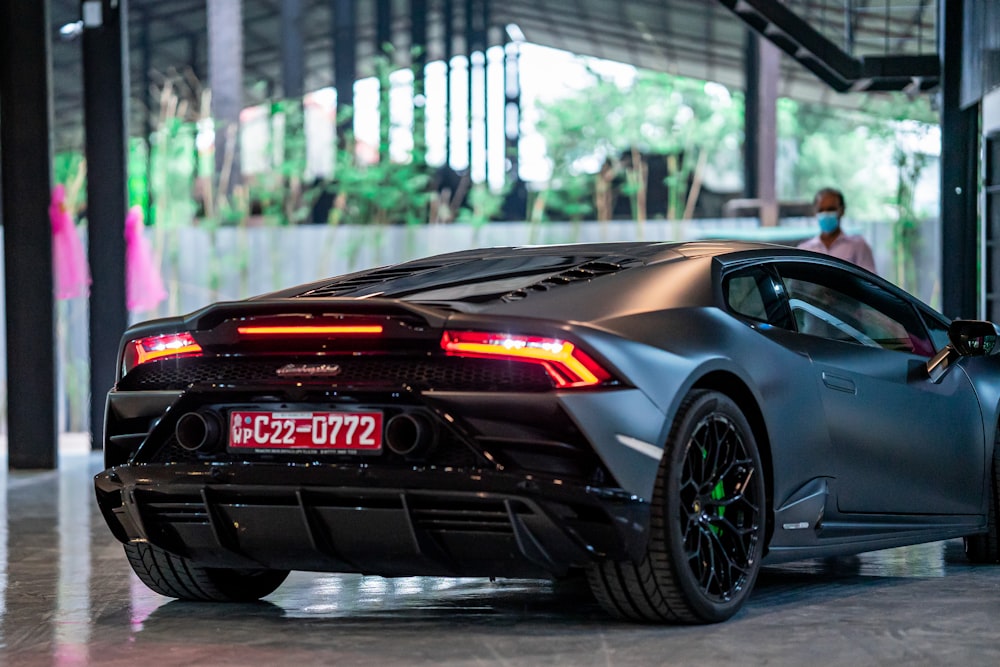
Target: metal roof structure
[703, 39]
[833, 49]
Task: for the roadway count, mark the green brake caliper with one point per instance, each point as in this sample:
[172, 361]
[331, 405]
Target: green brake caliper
[718, 493]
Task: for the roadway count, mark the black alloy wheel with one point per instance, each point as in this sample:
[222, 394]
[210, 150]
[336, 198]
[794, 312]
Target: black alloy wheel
[719, 509]
[707, 522]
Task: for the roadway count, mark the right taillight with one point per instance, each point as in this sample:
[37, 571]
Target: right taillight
[151, 348]
[566, 364]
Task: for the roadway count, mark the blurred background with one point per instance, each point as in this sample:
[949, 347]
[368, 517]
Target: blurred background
[273, 143]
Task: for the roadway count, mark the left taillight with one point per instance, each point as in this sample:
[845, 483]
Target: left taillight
[151, 348]
[566, 364]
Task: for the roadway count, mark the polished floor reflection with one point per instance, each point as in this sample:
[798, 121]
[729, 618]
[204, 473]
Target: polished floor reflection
[68, 598]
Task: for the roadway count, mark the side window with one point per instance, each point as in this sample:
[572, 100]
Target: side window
[743, 297]
[839, 306]
[756, 293]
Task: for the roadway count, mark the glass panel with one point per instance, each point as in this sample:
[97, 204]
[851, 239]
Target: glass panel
[839, 306]
[743, 297]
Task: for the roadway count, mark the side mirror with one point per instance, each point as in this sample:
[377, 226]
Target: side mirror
[969, 338]
[974, 338]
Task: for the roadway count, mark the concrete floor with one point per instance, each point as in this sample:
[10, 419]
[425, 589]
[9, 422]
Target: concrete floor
[68, 598]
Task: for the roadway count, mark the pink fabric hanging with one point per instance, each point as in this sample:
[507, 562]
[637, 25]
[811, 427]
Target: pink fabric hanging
[72, 275]
[143, 283]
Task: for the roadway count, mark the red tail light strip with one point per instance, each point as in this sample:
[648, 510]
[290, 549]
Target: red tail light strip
[144, 350]
[309, 330]
[566, 364]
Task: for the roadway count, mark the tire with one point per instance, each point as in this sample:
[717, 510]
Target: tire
[985, 547]
[177, 577]
[707, 523]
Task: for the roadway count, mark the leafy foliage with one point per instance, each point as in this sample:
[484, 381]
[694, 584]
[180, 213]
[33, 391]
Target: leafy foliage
[906, 229]
[614, 124]
[386, 191]
[483, 205]
[852, 151]
[694, 122]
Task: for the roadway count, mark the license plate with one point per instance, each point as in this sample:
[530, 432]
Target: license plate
[283, 431]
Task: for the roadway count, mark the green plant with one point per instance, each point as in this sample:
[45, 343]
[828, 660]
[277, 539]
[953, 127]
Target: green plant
[906, 228]
[482, 206]
[173, 165]
[617, 125]
[384, 192]
[820, 147]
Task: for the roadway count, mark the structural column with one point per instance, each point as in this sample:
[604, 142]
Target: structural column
[448, 12]
[418, 46]
[225, 73]
[26, 170]
[105, 103]
[476, 22]
[512, 108]
[145, 72]
[383, 59]
[960, 283]
[292, 50]
[345, 69]
[763, 60]
[292, 90]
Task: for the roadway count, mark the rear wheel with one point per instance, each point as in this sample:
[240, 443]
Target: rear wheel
[706, 523]
[177, 577]
[985, 548]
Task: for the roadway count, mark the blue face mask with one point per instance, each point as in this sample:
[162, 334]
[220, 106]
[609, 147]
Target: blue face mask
[828, 222]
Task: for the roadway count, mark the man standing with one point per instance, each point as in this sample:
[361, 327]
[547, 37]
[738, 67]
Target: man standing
[829, 207]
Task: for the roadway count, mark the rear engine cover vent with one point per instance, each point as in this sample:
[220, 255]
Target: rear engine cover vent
[587, 271]
[351, 286]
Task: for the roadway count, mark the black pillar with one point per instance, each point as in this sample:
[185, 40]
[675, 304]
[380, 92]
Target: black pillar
[146, 51]
[751, 114]
[849, 20]
[193, 50]
[151, 106]
[959, 165]
[344, 63]
[475, 47]
[449, 53]
[292, 50]
[293, 89]
[26, 172]
[383, 59]
[383, 26]
[761, 142]
[418, 45]
[512, 108]
[482, 26]
[105, 100]
[225, 74]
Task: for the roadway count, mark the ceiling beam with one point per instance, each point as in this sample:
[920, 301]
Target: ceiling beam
[820, 55]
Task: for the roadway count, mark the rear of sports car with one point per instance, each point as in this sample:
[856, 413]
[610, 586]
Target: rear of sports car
[366, 435]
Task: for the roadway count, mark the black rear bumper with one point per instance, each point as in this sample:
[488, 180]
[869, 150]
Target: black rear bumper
[340, 518]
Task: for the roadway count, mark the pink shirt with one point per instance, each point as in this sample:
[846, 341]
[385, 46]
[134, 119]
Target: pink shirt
[851, 247]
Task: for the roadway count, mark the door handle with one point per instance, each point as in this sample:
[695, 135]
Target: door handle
[839, 383]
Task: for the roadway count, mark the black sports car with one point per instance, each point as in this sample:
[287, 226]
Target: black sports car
[666, 417]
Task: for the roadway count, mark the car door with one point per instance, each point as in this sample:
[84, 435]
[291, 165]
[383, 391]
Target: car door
[902, 444]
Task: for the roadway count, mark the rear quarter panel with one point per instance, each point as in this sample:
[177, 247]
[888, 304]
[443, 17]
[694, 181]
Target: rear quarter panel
[667, 353]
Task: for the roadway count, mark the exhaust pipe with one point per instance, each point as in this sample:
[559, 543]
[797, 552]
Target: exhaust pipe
[198, 430]
[408, 434]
